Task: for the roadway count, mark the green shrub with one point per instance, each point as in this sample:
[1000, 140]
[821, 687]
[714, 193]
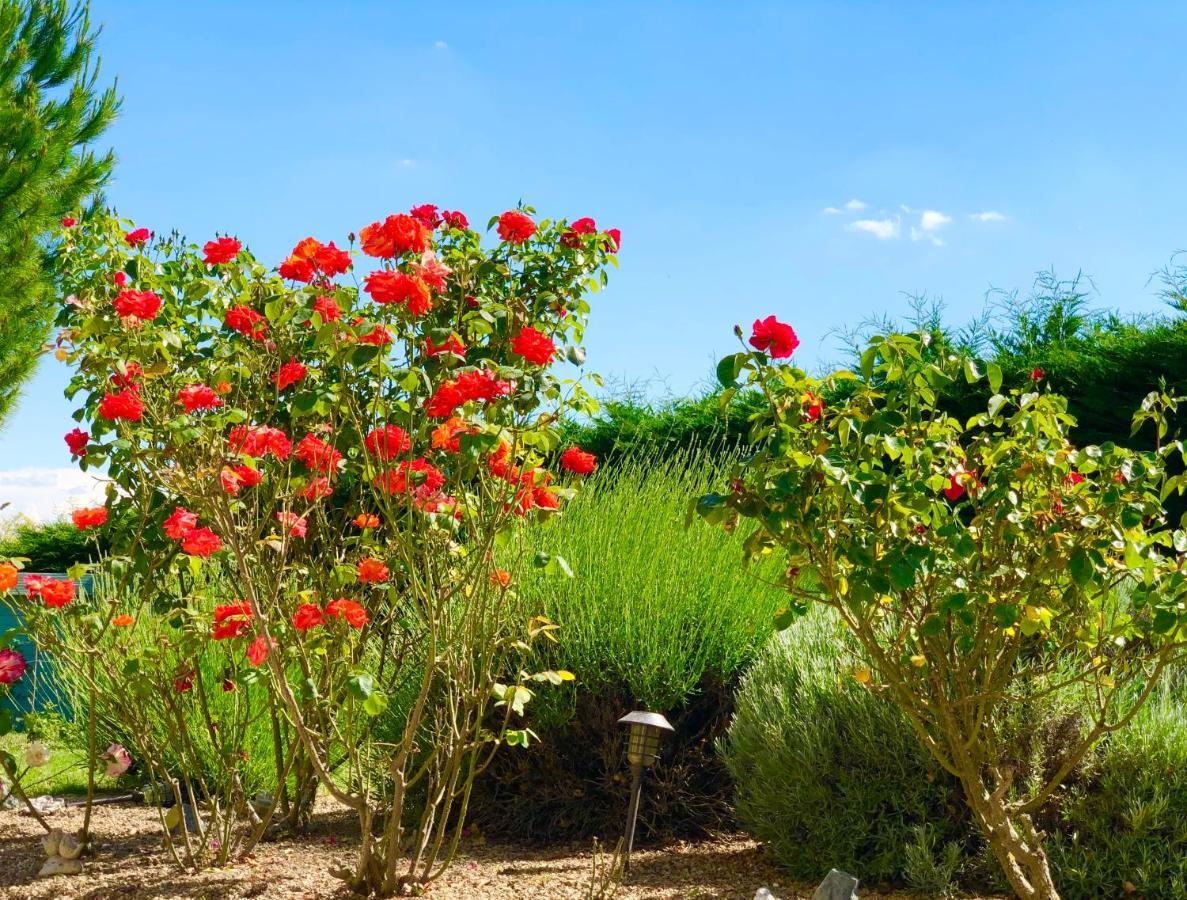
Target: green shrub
[653, 619]
[49, 547]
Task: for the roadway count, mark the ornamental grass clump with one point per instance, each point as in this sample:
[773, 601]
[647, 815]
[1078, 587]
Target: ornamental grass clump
[969, 561]
[352, 455]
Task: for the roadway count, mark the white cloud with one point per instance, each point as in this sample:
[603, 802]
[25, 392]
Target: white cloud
[48, 493]
[407, 163]
[933, 220]
[918, 234]
[831, 211]
[990, 215]
[441, 45]
[855, 205]
[882, 229]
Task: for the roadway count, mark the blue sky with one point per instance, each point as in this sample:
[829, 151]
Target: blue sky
[714, 135]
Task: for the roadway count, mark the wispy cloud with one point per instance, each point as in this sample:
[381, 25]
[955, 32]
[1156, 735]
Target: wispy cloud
[407, 163]
[882, 229]
[933, 220]
[990, 215]
[44, 493]
[441, 45]
[852, 206]
[831, 211]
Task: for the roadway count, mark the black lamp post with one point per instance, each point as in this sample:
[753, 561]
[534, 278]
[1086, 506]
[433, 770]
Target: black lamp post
[642, 750]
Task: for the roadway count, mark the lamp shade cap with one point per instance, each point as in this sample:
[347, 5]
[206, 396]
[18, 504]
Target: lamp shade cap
[651, 719]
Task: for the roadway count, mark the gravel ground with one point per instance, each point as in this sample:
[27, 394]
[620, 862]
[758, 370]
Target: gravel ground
[131, 863]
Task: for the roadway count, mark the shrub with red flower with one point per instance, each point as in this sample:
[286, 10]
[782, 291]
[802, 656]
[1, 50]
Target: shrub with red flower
[137, 304]
[12, 666]
[91, 517]
[774, 337]
[433, 412]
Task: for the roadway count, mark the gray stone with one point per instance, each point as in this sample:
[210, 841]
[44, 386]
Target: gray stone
[56, 865]
[69, 847]
[50, 842]
[174, 819]
[837, 885]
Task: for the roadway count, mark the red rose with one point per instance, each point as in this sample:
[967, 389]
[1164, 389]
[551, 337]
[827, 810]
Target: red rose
[426, 214]
[77, 441]
[327, 308]
[231, 620]
[615, 242]
[119, 279]
[246, 321]
[371, 571]
[125, 405]
[258, 440]
[290, 373]
[331, 261]
[137, 237]
[395, 235]
[127, 380]
[387, 442]
[447, 435]
[452, 344]
[257, 650]
[89, 518]
[293, 524]
[180, 523]
[956, 484]
[220, 251]
[407, 476]
[234, 478]
[69, 221]
[317, 455]
[482, 384]
[295, 268]
[379, 336]
[455, 219]
[444, 400]
[1037, 374]
[515, 227]
[317, 488]
[366, 520]
[534, 346]
[137, 304]
[200, 542]
[307, 616]
[387, 286]
[12, 666]
[198, 396]
[774, 337]
[351, 611]
[56, 592]
[1073, 478]
[579, 461]
[814, 408]
[433, 272]
[572, 237]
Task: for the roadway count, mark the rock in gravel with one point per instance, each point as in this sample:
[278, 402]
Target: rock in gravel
[837, 885]
[69, 847]
[56, 865]
[50, 842]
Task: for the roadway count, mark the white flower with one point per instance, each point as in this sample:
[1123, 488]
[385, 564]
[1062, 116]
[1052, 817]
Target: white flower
[118, 761]
[36, 754]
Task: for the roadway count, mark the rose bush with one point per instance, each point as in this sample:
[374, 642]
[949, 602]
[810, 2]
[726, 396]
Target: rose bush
[351, 451]
[978, 565]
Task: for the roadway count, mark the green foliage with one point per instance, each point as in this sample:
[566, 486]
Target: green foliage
[51, 546]
[50, 113]
[652, 619]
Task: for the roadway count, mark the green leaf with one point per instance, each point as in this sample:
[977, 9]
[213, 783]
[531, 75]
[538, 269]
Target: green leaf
[1164, 621]
[361, 685]
[784, 618]
[375, 703]
[971, 372]
[1081, 568]
[994, 371]
[730, 368]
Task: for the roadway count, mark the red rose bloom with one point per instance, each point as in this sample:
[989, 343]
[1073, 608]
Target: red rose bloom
[774, 337]
[415, 475]
[534, 346]
[290, 373]
[1073, 478]
[220, 251]
[455, 219]
[452, 344]
[956, 484]
[91, 517]
[615, 242]
[137, 304]
[1037, 374]
[317, 488]
[119, 279]
[307, 616]
[395, 235]
[578, 461]
[331, 261]
[327, 308]
[125, 405]
[482, 384]
[433, 272]
[379, 336]
[56, 592]
[366, 520]
[293, 524]
[814, 408]
[180, 523]
[137, 237]
[200, 542]
[234, 478]
[387, 442]
[350, 611]
[294, 268]
[316, 454]
[69, 221]
[12, 666]
[77, 440]
[448, 435]
[515, 227]
[246, 321]
[257, 650]
[198, 396]
[426, 214]
[386, 286]
[371, 571]
[259, 440]
[231, 620]
[572, 237]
